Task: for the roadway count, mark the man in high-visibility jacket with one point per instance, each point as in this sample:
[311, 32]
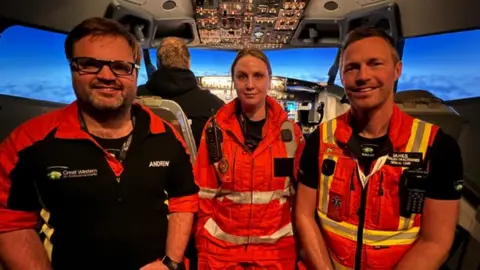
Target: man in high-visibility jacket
[384, 185]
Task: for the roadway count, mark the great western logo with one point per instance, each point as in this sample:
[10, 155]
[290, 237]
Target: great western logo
[62, 172]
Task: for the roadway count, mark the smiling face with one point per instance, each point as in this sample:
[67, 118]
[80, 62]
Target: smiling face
[251, 79]
[104, 90]
[369, 71]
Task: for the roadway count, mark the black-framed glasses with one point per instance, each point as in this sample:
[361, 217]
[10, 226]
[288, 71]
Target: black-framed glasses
[89, 65]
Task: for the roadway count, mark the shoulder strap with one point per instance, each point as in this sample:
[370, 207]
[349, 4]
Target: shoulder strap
[288, 138]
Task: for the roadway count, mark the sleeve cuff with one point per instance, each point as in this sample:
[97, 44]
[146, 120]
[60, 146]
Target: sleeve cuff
[183, 204]
[308, 181]
[17, 220]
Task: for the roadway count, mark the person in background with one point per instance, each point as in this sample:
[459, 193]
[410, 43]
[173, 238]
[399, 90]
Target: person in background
[175, 81]
[83, 187]
[246, 192]
[385, 186]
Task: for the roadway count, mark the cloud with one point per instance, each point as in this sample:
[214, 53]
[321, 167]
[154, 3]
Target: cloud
[56, 90]
[59, 88]
[446, 87]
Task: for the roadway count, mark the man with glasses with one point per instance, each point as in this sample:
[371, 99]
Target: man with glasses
[83, 187]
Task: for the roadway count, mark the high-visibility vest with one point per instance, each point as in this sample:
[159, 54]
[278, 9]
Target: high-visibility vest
[387, 236]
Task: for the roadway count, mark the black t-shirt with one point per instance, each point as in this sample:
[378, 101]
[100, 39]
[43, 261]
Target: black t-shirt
[112, 146]
[446, 166]
[366, 162]
[253, 132]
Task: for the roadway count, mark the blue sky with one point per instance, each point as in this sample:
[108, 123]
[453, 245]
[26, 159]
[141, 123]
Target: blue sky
[33, 65]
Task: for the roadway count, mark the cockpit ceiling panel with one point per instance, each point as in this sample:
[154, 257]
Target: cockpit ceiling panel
[55, 15]
[231, 24]
[234, 24]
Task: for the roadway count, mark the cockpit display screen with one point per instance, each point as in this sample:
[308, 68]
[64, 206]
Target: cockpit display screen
[291, 109]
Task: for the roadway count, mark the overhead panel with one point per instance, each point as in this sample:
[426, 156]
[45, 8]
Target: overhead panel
[234, 24]
[152, 20]
[326, 22]
[428, 17]
[55, 15]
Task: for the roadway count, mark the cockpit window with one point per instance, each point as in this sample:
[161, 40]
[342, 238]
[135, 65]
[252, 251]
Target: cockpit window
[310, 64]
[33, 64]
[447, 65]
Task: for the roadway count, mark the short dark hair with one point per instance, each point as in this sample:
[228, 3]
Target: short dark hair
[367, 32]
[251, 51]
[98, 26]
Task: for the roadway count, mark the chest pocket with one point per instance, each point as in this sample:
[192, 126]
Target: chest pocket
[225, 169]
[337, 176]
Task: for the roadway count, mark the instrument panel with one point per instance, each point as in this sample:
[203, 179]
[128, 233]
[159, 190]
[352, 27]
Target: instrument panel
[265, 24]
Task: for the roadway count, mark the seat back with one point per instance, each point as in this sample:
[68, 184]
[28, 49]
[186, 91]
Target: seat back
[171, 112]
[14, 111]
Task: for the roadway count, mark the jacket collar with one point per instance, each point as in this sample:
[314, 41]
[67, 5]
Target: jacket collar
[398, 129]
[227, 119]
[69, 126]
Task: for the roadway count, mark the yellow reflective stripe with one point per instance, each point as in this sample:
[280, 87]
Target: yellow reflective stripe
[325, 182]
[370, 237]
[418, 142]
[328, 131]
[212, 227]
[48, 231]
[326, 136]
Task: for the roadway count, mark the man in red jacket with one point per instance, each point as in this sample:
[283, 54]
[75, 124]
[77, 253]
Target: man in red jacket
[83, 187]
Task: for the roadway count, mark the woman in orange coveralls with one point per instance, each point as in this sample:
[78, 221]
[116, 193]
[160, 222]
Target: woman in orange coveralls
[244, 220]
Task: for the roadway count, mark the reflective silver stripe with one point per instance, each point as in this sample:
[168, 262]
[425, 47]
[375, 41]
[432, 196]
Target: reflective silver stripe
[212, 227]
[370, 237]
[416, 143]
[247, 197]
[207, 193]
[258, 197]
[255, 197]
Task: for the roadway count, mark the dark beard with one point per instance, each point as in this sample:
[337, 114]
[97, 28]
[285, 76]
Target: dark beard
[102, 115]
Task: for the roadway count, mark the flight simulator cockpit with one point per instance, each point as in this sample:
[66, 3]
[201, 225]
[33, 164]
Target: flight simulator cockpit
[305, 102]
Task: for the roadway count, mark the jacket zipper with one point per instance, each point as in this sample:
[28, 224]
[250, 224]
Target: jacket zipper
[361, 222]
[233, 167]
[245, 148]
[251, 205]
[352, 189]
[361, 225]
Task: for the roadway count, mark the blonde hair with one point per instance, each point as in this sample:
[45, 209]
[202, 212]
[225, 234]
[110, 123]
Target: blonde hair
[173, 52]
[251, 52]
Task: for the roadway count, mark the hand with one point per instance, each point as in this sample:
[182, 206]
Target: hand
[156, 265]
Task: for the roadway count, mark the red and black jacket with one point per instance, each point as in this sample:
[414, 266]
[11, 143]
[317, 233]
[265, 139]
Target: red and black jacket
[91, 210]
